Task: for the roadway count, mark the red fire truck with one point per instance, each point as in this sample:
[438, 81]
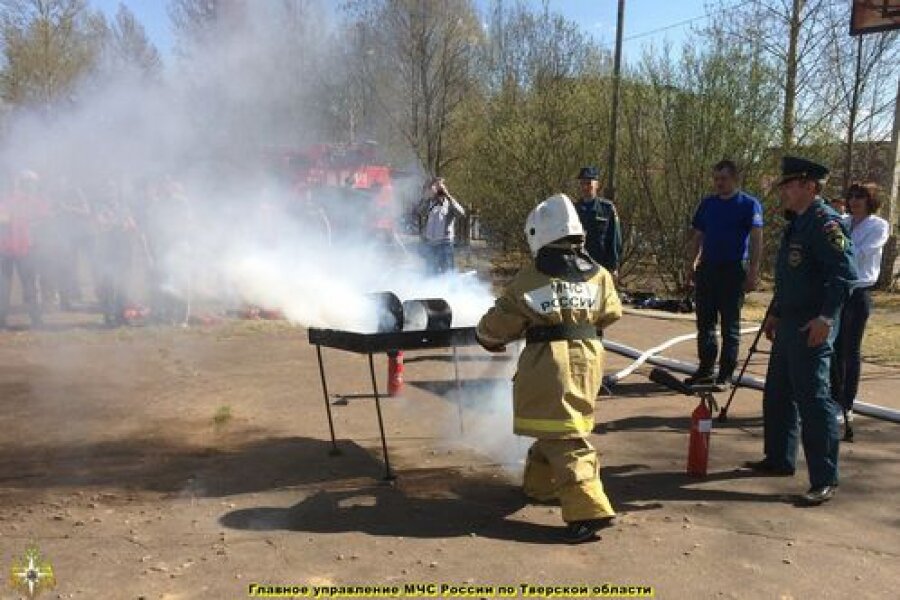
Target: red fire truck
[345, 179]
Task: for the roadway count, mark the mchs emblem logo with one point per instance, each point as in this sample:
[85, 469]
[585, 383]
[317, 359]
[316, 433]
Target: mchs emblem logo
[31, 573]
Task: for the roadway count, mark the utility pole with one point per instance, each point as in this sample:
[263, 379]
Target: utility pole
[614, 120]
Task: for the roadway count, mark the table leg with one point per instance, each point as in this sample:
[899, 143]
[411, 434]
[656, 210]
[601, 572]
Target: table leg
[335, 451]
[388, 474]
[459, 398]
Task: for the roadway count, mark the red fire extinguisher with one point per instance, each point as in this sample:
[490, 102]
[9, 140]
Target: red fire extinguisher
[395, 372]
[701, 426]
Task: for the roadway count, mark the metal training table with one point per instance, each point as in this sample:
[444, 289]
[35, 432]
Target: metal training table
[377, 343]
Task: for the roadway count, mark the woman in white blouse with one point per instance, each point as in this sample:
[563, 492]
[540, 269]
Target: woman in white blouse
[869, 233]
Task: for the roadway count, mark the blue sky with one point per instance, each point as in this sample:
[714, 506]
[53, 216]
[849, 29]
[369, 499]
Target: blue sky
[643, 19]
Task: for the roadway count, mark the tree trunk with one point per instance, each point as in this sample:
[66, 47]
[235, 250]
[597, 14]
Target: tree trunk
[790, 79]
[851, 122]
[889, 258]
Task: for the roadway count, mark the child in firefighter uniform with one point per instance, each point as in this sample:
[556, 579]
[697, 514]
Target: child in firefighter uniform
[560, 304]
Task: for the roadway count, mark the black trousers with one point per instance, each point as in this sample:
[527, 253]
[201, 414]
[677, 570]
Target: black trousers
[719, 295]
[847, 365]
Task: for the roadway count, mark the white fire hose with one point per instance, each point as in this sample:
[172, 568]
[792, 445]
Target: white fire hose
[864, 408]
[643, 357]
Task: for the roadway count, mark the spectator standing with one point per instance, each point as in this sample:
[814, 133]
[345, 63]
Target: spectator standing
[600, 221]
[56, 250]
[440, 211]
[19, 209]
[869, 234]
[723, 263]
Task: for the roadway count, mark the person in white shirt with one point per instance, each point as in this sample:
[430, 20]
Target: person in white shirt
[440, 211]
[869, 233]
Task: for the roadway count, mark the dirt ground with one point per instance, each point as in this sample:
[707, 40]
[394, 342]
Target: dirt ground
[188, 463]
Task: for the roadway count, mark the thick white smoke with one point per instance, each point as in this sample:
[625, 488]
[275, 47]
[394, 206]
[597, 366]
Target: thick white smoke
[190, 157]
[323, 285]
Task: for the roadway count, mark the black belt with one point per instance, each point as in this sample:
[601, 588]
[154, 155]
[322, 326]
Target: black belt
[553, 333]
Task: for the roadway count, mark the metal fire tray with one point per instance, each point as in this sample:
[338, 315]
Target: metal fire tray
[372, 343]
[366, 343]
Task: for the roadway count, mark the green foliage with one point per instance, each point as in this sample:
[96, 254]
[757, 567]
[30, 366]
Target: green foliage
[528, 148]
[681, 115]
[526, 137]
[48, 48]
[222, 415]
[543, 112]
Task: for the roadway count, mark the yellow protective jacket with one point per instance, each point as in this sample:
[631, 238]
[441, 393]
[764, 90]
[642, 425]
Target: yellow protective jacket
[556, 384]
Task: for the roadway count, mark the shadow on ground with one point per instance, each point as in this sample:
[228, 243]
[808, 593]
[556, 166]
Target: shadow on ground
[641, 389]
[422, 503]
[635, 487]
[669, 424]
[160, 465]
[445, 502]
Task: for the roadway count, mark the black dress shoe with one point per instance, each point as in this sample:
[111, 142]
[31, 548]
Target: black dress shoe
[723, 384]
[585, 531]
[763, 467]
[700, 378]
[818, 495]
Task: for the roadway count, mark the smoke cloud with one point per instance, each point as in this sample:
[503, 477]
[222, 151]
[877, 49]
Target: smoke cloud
[190, 171]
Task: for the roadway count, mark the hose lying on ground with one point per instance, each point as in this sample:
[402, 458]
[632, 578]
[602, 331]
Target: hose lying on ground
[748, 381]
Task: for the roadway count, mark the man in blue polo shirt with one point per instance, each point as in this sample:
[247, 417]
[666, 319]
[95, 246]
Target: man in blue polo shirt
[723, 266]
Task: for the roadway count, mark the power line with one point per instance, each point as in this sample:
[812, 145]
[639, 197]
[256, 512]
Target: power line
[666, 28]
[684, 22]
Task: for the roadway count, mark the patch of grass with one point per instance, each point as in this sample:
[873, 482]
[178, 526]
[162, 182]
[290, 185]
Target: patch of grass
[753, 312]
[248, 327]
[881, 343]
[886, 300]
[222, 416]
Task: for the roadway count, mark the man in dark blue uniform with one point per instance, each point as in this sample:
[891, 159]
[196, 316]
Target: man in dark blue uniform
[814, 274]
[603, 233]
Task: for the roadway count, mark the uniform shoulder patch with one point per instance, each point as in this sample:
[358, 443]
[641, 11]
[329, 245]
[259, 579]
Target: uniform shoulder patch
[834, 233]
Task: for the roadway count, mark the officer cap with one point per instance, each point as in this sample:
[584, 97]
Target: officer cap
[589, 173]
[794, 167]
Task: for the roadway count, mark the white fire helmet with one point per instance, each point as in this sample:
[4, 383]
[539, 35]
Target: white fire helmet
[552, 219]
